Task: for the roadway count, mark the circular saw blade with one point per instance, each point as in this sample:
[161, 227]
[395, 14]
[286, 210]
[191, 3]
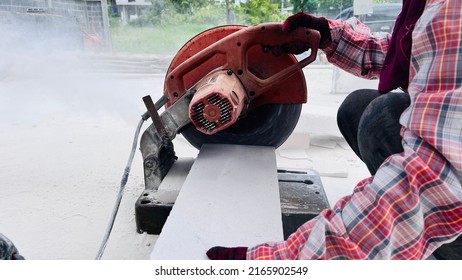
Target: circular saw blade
[266, 125]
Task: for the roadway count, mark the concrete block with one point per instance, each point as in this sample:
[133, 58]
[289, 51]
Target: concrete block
[230, 198]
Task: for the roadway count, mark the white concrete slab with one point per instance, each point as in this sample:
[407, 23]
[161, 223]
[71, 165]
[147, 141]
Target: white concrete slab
[230, 198]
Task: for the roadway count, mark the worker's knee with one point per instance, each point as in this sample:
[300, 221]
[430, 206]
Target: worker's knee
[354, 104]
[379, 129]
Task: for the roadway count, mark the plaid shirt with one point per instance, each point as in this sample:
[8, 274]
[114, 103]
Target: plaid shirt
[414, 202]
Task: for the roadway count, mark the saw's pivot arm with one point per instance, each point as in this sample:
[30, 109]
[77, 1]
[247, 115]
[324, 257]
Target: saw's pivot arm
[158, 157]
[156, 142]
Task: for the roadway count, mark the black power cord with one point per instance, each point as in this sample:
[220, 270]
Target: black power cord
[123, 183]
[161, 102]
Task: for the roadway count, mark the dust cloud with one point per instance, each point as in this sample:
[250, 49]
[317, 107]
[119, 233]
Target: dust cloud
[67, 123]
[48, 68]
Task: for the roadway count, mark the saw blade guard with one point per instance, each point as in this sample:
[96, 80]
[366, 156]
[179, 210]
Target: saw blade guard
[246, 52]
[258, 77]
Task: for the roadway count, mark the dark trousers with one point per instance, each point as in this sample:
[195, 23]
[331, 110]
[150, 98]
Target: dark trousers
[369, 122]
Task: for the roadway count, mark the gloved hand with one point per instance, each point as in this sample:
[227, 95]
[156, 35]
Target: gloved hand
[305, 20]
[227, 253]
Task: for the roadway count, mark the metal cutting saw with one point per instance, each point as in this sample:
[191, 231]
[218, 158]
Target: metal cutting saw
[227, 85]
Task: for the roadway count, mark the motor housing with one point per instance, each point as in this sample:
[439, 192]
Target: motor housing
[218, 102]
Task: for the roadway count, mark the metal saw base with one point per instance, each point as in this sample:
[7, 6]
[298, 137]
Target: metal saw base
[301, 192]
[302, 198]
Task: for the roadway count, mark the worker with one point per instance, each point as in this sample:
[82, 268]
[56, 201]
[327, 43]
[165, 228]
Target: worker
[411, 206]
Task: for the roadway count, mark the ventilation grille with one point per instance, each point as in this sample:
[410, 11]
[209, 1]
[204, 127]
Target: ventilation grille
[203, 122]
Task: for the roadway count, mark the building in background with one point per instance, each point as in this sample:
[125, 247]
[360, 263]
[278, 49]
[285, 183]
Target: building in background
[129, 9]
[55, 24]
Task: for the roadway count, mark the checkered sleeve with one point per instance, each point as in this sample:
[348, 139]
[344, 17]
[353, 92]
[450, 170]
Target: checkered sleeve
[413, 204]
[356, 49]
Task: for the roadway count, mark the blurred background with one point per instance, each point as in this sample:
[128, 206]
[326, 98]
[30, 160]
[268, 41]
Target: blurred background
[160, 26]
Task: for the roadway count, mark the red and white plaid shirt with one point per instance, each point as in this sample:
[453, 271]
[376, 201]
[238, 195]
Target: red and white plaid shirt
[414, 202]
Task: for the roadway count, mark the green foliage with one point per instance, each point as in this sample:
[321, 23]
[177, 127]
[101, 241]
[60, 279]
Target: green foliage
[326, 4]
[166, 39]
[160, 13]
[168, 12]
[212, 14]
[189, 7]
[307, 6]
[114, 22]
[168, 24]
[258, 11]
[250, 12]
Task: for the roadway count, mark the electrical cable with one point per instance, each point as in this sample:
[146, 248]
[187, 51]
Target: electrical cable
[123, 183]
[161, 102]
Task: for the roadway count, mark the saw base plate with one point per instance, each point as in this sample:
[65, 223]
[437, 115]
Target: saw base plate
[302, 198]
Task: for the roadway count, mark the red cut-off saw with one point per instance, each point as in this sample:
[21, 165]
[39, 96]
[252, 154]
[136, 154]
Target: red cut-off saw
[227, 85]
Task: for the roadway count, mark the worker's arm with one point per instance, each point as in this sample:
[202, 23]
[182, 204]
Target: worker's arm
[355, 49]
[349, 44]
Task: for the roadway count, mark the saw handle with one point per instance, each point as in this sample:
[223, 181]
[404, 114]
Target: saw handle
[235, 47]
[272, 35]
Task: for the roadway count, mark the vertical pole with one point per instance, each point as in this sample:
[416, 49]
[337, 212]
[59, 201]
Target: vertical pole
[106, 27]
